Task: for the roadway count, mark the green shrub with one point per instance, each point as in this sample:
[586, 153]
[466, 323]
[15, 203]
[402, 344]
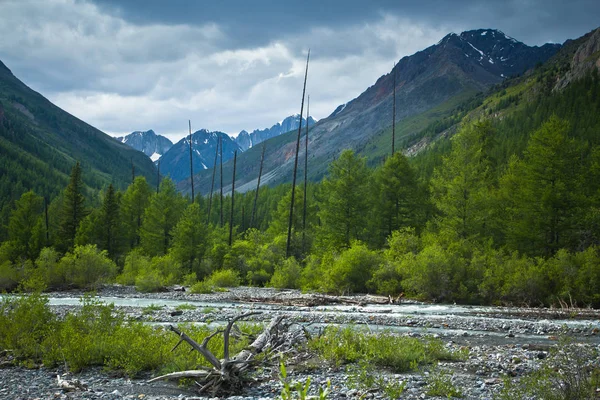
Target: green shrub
[225, 278]
[202, 287]
[135, 262]
[87, 267]
[347, 345]
[9, 277]
[352, 270]
[25, 323]
[287, 275]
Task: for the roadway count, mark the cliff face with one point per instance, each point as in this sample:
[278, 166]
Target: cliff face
[586, 58]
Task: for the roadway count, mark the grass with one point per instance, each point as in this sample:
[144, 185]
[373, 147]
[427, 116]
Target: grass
[397, 353]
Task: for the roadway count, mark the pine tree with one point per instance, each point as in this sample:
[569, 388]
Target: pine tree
[343, 201]
[399, 201]
[73, 209]
[25, 226]
[190, 238]
[461, 186]
[161, 215]
[133, 203]
[110, 222]
[542, 193]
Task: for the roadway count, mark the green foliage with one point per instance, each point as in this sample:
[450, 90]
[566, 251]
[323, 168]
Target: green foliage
[351, 270]
[190, 238]
[570, 372]
[86, 267]
[160, 217]
[439, 383]
[343, 201]
[25, 226]
[133, 204]
[73, 209]
[287, 275]
[301, 389]
[225, 278]
[460, 187]
[25, 321]
[159, 273]
[399, 354]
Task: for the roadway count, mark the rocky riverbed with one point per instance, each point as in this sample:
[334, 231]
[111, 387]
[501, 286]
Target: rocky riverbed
[502, 342]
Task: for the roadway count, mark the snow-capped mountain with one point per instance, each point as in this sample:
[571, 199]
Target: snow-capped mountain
[176, 162]
[148, 142]
[247, 140]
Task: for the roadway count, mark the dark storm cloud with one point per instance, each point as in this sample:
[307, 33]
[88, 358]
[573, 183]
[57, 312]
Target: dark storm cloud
[232, 65]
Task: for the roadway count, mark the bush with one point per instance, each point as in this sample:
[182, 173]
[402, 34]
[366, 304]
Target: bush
[25, 322]
[87, 267]
[9, 277]
[134, 263]
[398, 353]
[287, 275]
[352, 270]
[225, 278]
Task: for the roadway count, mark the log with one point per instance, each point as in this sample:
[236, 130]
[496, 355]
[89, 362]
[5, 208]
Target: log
[228, 373]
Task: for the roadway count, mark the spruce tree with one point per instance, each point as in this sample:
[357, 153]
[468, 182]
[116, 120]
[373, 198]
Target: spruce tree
[110, 222]
[343, 201]
[133, 204]
[161, 215]
[190, 238]
[25, 226]
[73, 209]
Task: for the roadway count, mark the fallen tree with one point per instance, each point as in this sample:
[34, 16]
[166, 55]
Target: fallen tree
[228, 373]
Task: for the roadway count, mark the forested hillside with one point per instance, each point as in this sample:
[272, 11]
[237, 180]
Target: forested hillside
[40, 143]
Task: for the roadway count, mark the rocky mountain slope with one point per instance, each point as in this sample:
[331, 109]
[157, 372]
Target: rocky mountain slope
[147, 142]
[429, 84]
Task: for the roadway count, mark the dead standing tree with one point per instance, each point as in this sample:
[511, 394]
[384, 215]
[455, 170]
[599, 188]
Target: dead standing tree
[289, 234]
[228, 373]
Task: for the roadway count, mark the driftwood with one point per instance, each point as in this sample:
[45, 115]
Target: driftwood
[228, 373]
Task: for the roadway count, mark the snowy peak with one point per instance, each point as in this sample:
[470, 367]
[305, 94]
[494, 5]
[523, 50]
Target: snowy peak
[148, 142]
[494, 51]
[247, 140]
[176, 162]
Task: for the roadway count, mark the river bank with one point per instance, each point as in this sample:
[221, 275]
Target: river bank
[501, 341]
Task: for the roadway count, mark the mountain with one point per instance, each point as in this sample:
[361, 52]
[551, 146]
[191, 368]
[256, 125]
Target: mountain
[247, 140]
[429, 84]
[176, 161]
[40, 143]
[147, 142]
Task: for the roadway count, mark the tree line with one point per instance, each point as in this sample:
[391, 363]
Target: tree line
[494, 222]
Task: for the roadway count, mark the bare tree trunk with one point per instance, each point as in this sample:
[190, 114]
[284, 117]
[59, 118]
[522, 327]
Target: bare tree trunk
[212, 185]
[232, 199]
[158, 176]
[394, 113]
[262, 159]
[191, 165]
[305, 177]
[221, 175]
[289, 235]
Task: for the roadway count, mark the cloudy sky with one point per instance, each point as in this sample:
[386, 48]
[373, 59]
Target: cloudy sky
[231, 65]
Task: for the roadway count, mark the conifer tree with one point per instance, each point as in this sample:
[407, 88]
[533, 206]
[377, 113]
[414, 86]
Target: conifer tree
[190, 238]
[133, 203]
[398, 203]
[343, 201]
[161, 215]
[73, 209]
[110, 222]
[25, 226]
[461, 186]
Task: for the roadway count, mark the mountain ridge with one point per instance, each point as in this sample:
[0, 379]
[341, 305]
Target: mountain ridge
[443, 73]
